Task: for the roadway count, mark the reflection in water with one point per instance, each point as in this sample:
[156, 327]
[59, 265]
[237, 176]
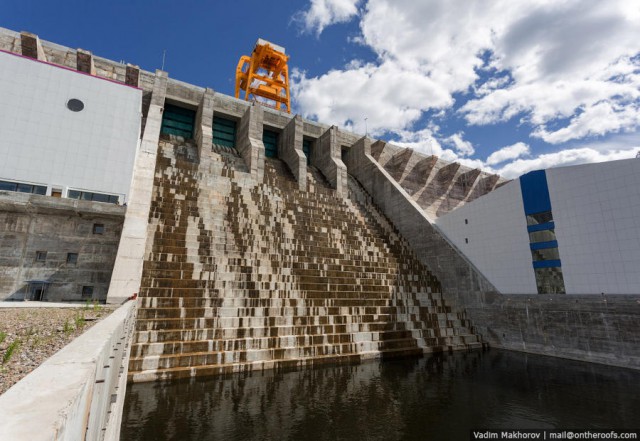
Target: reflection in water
[436, 397]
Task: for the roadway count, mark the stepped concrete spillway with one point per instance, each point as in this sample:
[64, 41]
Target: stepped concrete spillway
[242, 275]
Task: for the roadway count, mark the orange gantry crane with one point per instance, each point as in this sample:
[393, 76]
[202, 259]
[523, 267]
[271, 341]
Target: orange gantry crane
[264, 76]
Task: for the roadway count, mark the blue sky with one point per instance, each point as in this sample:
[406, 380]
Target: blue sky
[505, 85]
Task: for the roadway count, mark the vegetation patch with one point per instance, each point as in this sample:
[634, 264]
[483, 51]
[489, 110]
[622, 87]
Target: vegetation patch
[31, 335]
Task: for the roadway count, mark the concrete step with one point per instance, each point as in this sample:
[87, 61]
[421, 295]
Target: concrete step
[425, 299]
[340, 323]
[205, 370]
[168, 361]
[302, 310]
[200, 302]
[287, 333]
[300, 334]
[387, 340]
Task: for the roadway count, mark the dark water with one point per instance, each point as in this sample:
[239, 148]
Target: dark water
[438, 397]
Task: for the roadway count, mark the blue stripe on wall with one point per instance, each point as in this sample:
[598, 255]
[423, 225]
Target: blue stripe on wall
[535, 192]
[547, 264]
[544, 245]
[540, 227]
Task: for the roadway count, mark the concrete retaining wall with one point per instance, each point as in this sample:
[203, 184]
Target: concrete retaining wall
[79, 392]
[32, 224]
[581, 327]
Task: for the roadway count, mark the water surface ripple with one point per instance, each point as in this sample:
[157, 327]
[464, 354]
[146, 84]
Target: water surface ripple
[437, 397]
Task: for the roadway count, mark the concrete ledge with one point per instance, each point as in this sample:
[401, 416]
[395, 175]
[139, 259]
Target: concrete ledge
[79, 392]
[14, 202]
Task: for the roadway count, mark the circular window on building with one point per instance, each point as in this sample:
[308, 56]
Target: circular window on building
[75, 105]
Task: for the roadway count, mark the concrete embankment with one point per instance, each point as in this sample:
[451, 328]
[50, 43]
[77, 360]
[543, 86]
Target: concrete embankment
[79, 392]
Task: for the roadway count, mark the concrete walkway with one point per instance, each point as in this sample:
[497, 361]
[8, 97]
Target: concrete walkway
[32, 304]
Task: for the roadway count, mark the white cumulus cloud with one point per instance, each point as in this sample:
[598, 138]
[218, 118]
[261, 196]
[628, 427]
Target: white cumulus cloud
[461, 145]
[507, 153]
[375, 92]
[323, 13]
[565, 71]
[599, 119]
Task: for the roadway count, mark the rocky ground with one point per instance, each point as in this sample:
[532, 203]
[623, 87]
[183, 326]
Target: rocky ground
[28, 336]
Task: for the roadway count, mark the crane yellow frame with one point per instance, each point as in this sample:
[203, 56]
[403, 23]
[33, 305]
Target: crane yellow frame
[266, 75]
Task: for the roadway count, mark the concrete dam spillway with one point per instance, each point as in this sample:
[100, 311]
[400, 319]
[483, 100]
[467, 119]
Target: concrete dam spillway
[243, 275]
[256, 239]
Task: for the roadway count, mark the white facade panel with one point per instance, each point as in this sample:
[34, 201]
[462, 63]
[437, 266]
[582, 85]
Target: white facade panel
[596, 209]
[596, 212]
[498, 242]
[43, 142]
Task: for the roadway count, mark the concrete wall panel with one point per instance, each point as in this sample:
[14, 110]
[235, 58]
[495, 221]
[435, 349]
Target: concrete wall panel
[596, 209]
[44, 142]
[492, 233]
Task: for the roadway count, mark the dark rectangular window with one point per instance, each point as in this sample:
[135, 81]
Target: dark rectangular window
[178, 121]
[98, 228]
[98, 197]
[95, 197]
[8, 186]
[545, 254]
[35, 189]
[224, 131]
[23, 188]
[344, 152]
[41, 256]
[72, 258]
[270, 141]
[87, 292]
[306, 149]
[74, 194]
[542, 236]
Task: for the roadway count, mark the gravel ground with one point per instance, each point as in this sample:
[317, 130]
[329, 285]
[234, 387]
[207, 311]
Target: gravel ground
[39, 333]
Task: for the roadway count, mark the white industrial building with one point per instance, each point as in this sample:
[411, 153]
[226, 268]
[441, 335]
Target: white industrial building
[591, 235]
[66, 133]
